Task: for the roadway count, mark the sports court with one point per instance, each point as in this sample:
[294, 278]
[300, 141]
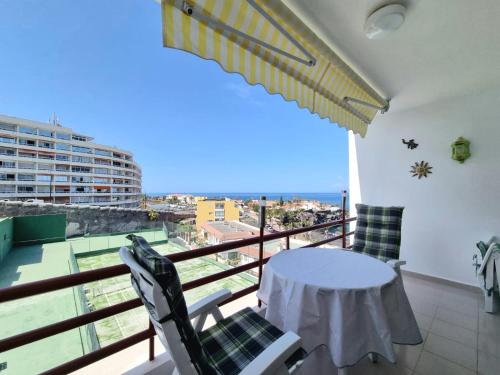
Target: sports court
[35, 262]
[107, 292]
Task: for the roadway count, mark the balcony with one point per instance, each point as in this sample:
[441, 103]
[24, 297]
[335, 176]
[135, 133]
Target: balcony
[448, 315]
[27, 290]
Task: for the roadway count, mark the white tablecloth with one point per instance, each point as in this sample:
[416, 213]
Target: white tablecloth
[353, 303]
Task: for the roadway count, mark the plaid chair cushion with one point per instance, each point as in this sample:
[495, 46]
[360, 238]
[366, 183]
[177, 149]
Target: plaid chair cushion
[235, 341]
[164, 272]
[378, 231]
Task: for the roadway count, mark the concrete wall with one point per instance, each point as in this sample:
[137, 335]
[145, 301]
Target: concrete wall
[39, 229]
[92, 219]
[458, 204]
[6, 236]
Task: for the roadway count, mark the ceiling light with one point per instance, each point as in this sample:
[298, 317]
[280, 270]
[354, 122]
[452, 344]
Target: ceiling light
[384, 21]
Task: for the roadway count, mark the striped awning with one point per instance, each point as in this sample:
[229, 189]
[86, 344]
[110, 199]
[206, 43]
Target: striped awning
[268, 44]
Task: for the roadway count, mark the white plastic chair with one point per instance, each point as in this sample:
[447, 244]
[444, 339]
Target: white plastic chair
[270, 361]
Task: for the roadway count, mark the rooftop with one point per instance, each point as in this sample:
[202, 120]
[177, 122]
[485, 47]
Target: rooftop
[230, 230]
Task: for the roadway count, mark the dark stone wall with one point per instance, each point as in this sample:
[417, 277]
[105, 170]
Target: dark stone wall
[84, 219]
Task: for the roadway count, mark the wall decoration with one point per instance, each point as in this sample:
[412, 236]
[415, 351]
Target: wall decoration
[460, 150]
[410, 144]
[420, 170]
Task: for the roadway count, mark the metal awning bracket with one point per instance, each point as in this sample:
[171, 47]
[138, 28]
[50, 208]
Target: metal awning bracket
[191, 10]
[383, 109]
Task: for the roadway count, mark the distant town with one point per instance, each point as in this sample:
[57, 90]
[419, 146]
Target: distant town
[215, 220]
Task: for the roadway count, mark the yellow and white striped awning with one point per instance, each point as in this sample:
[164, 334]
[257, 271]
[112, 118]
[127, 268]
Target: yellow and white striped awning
[268, 44]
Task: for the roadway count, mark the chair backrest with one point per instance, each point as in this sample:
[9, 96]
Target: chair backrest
[155, 280]
[378, 231]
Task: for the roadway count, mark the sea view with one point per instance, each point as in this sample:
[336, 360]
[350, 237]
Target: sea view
[330, 198]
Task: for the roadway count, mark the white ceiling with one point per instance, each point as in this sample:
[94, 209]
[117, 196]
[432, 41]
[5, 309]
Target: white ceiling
[445, 48]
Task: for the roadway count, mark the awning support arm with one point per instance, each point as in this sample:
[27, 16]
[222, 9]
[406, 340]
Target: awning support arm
[312, 60]
[348, 99]
[215, 24]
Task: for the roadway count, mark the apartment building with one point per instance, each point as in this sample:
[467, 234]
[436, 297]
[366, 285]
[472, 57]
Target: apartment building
[213, 209]
[55, 164]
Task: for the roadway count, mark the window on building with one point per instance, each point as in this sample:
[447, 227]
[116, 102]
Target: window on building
[7, 177]
[76, 168]
[27, 142]
[84, 150]
[44, 167]
[64, 136]
[61, 178]
[102, 152]
[81, 159]
[102, 162]
[43, 189]
[45, 144]
[7, 151]
[7, 188]
[99, 180]
[62, 157]
[81, 179]
[45, 133]
[27, 130]
[8, 127]
[101, 171]
[63, 146]
[62, 168]
[7, 164]
[78, 138]
[46, 156]
[44, 178]
[24, 165]
[25, 189]
[25, 177]
[27, 154]
[7, 140]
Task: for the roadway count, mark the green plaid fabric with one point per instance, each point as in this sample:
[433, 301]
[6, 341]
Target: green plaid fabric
[164, 272]
[235, 341]
[378, 231]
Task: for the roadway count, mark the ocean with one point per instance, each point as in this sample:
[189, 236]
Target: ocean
[330, 198]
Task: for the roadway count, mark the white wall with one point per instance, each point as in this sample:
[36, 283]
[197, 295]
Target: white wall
[458, 204]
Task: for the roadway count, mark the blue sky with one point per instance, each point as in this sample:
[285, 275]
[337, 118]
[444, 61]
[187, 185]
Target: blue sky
[101, 67]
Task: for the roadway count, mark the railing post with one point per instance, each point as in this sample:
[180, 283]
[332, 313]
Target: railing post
[151, 344]
[287, 242]
[262, 224]
[344, 239]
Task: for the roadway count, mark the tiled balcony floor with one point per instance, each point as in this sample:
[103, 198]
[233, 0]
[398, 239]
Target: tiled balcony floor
[459, 337]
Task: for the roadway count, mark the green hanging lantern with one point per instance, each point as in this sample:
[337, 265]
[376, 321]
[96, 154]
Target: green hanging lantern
[460, 150]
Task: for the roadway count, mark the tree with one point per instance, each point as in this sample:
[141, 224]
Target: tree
[281, 201]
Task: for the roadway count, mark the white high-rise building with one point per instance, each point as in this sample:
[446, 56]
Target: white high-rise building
[55, 164]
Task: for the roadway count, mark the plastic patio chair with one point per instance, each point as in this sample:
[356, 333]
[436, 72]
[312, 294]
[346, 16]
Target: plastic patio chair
[378, 233]
[243, 343]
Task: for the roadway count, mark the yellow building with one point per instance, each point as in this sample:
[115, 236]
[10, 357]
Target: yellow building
[216, 210]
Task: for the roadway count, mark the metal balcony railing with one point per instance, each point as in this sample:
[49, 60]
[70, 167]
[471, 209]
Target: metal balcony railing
[48, 285]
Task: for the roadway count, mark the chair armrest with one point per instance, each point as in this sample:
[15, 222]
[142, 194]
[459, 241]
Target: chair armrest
[206, 304]
[395, 263]
[273, 358]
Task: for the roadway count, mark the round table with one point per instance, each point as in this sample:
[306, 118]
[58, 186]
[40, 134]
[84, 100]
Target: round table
[350, 302]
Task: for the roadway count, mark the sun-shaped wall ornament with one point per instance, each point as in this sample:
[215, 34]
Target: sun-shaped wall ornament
[421, 169]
